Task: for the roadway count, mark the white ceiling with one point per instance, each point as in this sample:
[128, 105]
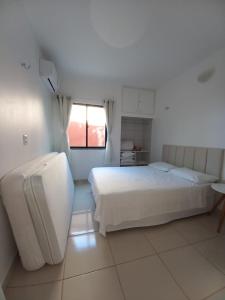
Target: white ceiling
[137, 42]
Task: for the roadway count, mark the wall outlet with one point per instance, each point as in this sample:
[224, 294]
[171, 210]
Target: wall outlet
[25, 139]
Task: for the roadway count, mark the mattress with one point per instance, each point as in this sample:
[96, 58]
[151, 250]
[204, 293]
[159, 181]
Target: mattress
[14, 200]
[50, 196]
[28, 192]
[135, 193]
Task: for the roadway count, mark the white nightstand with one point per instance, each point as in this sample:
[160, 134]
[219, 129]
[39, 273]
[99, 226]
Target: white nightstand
[220, 188]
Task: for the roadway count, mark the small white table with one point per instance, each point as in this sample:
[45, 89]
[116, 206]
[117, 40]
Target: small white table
[220, 188]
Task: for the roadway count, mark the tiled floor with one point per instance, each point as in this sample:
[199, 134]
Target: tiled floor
[83, 197]
[83, 223]
[177, 261]
[184, 260]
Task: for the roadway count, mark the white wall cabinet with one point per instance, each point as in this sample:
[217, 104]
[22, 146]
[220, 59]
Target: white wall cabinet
[130, 100]
[146, 102]
[138, 102]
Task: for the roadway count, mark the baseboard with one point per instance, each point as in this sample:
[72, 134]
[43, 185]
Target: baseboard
[80, 181]
[2, 296]
[8, 275]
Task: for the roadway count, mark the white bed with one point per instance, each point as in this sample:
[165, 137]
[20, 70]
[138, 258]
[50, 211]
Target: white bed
[143, 196]
[137, 193]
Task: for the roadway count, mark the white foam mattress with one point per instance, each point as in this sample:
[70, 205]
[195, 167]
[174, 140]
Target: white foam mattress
[50, 195]
[135, 193]
[38, 199]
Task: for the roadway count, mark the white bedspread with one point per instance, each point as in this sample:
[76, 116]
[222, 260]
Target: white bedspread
[134, 193]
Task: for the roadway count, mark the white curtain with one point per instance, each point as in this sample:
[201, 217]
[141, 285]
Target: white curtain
[108, 104]
[64, 105]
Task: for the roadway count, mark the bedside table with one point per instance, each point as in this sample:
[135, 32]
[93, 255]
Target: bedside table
[220, 188]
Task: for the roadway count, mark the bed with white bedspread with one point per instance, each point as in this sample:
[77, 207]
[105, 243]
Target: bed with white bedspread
[143, 196]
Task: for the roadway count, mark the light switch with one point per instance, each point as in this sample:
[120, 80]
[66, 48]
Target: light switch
[25, 139]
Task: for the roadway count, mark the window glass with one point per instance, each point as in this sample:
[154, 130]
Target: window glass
[96, 126]
[77, 126]
[87, 127]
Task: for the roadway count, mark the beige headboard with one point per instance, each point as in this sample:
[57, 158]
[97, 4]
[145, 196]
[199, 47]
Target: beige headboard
[206, 160]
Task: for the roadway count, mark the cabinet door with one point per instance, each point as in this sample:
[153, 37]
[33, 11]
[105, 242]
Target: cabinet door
[146, 102]
[130, 100]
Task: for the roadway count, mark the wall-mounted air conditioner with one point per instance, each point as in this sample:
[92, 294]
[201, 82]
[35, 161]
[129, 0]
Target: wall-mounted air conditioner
[48, 74]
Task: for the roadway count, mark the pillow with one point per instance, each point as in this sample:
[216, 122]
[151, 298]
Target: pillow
[162, 166]
[194, 176]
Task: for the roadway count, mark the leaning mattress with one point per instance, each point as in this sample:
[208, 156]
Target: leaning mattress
[38, 199]
[14, 200]
[50, 194]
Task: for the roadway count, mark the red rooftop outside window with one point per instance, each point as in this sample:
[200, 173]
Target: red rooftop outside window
[87, 127]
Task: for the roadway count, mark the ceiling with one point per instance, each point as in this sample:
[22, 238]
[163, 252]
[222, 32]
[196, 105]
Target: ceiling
[137, 42]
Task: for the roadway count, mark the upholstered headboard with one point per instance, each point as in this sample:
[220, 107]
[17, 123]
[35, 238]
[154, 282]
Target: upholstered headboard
[206, 160]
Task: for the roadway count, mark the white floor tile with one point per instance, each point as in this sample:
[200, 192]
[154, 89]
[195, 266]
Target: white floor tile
[214, 251]
[50, 291]
[127, 245]
[211, 222]
[86, 253]
[82, 223]
[146, 279]
[194, 274]
[193, 231]
[197, 270]
[218, 296]
[98, 285]
[83, 197]
[48, 273]
[165, 238]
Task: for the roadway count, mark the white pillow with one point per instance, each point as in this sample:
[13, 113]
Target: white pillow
[162, 166]
[194, 176]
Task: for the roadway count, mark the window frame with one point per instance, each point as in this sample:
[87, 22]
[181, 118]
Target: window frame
[86, 147]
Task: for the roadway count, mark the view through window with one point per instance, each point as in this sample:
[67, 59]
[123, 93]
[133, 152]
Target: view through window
[87, 127]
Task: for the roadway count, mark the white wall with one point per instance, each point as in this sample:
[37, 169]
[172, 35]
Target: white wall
[93, 91]
[25, 107]
[197, 110]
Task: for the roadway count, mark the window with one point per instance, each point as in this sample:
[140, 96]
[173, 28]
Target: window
[87, 126]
